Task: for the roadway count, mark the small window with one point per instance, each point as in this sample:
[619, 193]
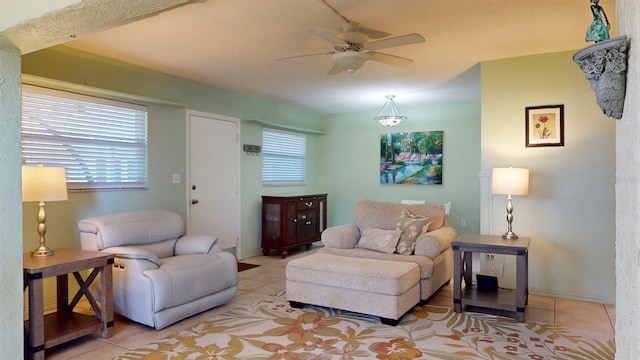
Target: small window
[283, 158]
[102, 144]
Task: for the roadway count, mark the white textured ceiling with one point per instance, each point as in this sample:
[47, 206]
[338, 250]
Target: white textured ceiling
[231, 43]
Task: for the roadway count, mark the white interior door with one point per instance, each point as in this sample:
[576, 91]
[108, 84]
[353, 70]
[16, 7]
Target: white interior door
[213, 186]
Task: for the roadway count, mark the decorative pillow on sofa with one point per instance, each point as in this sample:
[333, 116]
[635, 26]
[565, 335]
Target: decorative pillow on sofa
[412, 227]
[436, 224]
[379, 240]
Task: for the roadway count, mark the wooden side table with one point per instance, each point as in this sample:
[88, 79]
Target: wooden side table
[467, 244]
[45, 331]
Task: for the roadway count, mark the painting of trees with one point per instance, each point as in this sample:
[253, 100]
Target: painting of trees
[411, 158]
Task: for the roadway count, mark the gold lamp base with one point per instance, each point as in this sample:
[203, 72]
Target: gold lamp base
[42, 251]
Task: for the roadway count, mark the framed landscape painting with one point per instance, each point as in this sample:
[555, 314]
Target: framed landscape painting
[411, 158]
[544, 125]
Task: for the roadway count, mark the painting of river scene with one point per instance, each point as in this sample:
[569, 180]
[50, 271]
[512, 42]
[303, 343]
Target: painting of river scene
[411, 158]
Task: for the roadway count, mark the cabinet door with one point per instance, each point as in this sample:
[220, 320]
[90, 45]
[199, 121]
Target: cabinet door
[272, 223]
[313, 226]
[307, 224]
[292, 223]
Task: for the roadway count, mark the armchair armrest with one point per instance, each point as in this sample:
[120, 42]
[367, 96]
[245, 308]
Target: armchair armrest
[133, 253]
[434, 242]
[342, 236]
[195, 244]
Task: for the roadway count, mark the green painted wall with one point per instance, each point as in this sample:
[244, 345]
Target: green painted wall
[167, 145]
[350, 166]
[252, 188]
[570, 210]
[167, 142]
[351, 146]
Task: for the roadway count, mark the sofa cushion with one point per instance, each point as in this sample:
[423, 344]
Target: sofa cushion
[435, 224]
[379, 240]
[411, 226]
[384, 215]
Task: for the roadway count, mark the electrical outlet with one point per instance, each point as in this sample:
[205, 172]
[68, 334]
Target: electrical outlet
[177, 179]
[463, 222]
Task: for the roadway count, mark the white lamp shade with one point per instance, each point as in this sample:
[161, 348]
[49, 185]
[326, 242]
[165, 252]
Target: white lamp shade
[43, 183]
[510, 181]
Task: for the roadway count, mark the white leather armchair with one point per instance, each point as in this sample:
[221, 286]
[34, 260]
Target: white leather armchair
[160, 276]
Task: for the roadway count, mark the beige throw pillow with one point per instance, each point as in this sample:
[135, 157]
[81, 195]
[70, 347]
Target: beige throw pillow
[436, 224]
[412, 227]
[379, 240]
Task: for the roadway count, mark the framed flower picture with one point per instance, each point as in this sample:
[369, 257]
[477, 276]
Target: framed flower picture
[544, 125]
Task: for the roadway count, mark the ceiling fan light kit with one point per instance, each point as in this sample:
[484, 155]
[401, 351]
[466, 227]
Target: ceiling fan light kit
[392, 117]
[350, 61]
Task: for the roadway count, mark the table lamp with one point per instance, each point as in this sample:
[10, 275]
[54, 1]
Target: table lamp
[509, 181]
[42, 184]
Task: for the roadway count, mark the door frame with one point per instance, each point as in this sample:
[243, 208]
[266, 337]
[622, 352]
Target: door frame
[238, 153]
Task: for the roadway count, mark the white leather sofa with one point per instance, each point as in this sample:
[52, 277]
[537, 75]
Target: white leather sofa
[160, 276]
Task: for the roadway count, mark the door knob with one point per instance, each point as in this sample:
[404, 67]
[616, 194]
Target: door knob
[194, 201]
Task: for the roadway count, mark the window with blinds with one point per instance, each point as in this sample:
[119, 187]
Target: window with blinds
[102, 144]
[283, 158]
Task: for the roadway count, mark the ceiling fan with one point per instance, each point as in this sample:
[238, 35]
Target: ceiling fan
[351, 48]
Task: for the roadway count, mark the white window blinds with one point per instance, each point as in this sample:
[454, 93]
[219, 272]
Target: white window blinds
[102, 144]
[283, 158]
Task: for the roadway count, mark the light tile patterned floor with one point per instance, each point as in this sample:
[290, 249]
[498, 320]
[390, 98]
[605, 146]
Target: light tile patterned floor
[269, 278]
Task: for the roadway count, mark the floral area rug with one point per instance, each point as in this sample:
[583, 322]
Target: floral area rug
[271, 329]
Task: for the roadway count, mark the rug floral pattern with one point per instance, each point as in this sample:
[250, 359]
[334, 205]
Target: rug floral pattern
[271, 329]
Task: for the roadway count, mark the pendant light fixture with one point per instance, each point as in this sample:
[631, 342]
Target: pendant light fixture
[388, 115]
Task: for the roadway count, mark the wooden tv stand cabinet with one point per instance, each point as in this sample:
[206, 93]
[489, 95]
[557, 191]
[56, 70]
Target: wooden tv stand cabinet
[292, 221]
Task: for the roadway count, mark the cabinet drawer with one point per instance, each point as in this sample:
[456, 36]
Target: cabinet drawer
[308, 203]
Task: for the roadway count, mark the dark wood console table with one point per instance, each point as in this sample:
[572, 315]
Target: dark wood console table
[292, 221]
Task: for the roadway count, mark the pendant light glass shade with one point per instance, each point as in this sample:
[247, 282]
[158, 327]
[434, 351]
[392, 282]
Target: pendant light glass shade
[388, 115]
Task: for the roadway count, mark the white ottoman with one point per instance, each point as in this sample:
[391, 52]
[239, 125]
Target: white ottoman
[387, 289]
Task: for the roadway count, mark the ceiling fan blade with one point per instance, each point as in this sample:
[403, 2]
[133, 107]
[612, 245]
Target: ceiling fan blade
[395, 41]
[374, 34]
[389, 59]
[331, 37]
[302, 55]
[335, 69]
